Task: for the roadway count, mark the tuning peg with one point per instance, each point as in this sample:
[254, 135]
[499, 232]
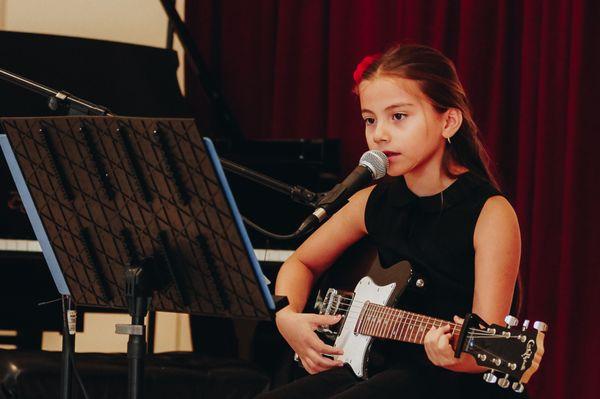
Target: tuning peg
[525, 325]
[511, 321]
[504, 382]
[540, 326]
[489, 377]
[518, 387]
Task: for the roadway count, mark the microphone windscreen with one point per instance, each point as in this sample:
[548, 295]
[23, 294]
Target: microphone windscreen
[376, 161]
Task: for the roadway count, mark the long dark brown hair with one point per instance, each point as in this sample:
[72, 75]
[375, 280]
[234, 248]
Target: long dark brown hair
[437, 78]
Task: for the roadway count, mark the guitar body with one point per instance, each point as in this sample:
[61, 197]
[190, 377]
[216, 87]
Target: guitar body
[369, 312]
[382, 287]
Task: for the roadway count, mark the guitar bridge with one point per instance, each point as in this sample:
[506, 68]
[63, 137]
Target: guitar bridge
[335, 302]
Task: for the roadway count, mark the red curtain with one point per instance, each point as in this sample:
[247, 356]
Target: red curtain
[531, 69]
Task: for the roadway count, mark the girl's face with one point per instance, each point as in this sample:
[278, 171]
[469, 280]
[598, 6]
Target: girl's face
[401, 122]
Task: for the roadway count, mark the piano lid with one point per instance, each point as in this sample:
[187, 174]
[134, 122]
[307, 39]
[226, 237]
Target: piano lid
[128, 79]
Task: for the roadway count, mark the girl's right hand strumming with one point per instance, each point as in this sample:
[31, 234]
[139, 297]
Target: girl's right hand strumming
[298, 329]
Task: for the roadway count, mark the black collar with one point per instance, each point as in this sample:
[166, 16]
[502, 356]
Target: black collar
[453, 194]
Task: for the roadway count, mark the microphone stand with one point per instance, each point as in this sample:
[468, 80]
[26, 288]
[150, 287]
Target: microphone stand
[77, 106]
[56, 99]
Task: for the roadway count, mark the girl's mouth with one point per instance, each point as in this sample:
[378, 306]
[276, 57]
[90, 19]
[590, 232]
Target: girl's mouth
[390, 154]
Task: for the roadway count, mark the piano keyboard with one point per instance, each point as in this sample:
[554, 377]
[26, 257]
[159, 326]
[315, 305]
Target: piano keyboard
[263, 255]
[20, 246]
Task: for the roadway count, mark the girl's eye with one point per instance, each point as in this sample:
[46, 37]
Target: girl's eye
[398, 116]
[369, 121]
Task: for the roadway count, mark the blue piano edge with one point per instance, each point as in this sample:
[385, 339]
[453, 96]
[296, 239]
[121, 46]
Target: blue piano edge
[33, 215]
[260, 278]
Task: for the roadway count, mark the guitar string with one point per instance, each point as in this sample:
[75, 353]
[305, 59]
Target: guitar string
[351, 302]
[413, 323]
[382, 311]
[400, 331]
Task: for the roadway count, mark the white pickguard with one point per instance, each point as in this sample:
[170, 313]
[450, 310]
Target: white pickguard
[356, 346]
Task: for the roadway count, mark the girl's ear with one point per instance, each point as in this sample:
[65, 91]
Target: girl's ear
[452, 121]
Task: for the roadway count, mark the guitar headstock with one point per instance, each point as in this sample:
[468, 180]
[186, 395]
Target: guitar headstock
[511, 351]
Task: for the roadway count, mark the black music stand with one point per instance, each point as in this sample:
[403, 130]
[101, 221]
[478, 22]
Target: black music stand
[135, 213]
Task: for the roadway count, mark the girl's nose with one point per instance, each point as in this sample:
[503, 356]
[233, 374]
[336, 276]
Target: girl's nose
[381, 134]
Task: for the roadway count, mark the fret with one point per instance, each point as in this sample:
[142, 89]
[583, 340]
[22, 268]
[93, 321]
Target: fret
[383, 318]
[382, 324]
[427, 327]
[385, 321]
[362, 329]
[405, 326]
[389, 322]
[359, 323]
[393, 322]
[411, 326]
[379, 321]
[397, 323]
[414, 329]
[421, 329]
[420, 325]
[373, 319]
[401, 321]
[369, 320]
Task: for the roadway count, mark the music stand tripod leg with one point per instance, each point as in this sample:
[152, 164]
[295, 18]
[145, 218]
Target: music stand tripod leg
[139, 294]
[68, 346]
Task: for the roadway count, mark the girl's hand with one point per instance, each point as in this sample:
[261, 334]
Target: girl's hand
[438, 348]
[298, 329]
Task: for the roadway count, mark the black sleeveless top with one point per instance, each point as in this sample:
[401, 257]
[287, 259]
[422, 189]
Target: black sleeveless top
[435, 234]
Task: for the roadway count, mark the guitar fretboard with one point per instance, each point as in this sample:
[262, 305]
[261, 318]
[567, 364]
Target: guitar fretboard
[400, 325]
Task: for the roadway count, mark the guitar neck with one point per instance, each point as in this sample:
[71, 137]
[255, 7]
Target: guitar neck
[399, 325]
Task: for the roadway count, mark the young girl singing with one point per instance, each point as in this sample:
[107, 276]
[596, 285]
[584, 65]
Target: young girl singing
[440, 209]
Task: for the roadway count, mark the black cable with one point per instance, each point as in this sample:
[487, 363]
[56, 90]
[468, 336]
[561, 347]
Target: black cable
[78, 377]
[297, 234]
[71, 356]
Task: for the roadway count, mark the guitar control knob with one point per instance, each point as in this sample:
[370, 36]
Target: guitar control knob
[518, 387]
[490, 378]
[420, 283]
[540, 326]
[504, 382]
[511, 321]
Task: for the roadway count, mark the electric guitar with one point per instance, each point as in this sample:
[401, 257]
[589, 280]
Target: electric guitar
[514, 352]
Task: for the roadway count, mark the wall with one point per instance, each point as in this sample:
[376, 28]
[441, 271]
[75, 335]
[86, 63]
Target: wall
[132, 21]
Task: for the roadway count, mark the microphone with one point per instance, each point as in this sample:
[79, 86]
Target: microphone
[372, 166]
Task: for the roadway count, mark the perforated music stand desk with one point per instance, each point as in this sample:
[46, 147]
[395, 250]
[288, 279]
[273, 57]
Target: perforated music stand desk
[105, 194]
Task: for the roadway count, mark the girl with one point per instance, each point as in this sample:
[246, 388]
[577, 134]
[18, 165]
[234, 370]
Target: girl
[440, 209]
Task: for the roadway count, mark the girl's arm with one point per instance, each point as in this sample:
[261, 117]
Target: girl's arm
[300, 271]
[497, 243]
